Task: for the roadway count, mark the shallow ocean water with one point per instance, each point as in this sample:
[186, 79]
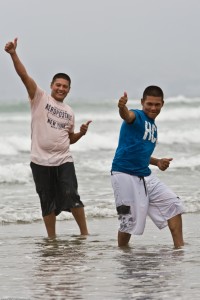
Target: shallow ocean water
[73, 267]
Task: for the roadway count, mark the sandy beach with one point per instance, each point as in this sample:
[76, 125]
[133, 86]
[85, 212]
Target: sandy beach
[72, 267]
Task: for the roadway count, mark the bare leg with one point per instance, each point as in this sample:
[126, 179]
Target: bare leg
[175, 226]
[50, 223]
[123, 238]
[79, 216]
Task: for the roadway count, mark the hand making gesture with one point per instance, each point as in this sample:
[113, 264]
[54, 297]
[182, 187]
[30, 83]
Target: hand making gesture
[11, 46]
[84, 127]
[125, 114]
[123, 100]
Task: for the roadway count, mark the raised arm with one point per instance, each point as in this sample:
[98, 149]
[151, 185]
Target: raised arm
[125, 114]
[29, 83]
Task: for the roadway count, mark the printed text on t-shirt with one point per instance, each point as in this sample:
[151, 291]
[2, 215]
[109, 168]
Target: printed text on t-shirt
[57, 118]
[150, 130]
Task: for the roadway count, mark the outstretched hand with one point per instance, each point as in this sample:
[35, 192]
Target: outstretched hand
[84, 127]
[164, 163]
[10, 47]
[123, 100]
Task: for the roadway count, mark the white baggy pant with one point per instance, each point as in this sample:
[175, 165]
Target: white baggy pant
[145, 196]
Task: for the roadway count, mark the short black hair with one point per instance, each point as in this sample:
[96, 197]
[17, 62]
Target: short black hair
[61, 75]
[154, 91]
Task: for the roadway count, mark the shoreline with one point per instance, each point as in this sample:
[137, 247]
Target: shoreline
[96, 226]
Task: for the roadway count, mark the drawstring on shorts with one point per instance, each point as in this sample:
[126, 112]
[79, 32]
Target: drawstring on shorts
[145, 187]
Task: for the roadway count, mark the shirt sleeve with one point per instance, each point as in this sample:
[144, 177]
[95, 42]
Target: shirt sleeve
[39, 93]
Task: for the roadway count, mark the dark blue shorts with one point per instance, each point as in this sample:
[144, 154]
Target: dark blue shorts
[57, 187]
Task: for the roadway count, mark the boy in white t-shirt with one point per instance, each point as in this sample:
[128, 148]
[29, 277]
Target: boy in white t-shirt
[52, 132]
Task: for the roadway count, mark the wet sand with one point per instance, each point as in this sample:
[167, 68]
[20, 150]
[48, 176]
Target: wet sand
[73, 267]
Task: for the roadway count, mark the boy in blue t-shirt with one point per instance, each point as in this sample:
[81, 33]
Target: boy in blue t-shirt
[137, 191]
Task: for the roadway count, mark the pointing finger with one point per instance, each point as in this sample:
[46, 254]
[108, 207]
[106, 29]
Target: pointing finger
[15, 41]
[125, 94]
[88, 122]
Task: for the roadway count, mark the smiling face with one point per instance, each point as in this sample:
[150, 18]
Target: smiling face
[60, 88]
[152, 106]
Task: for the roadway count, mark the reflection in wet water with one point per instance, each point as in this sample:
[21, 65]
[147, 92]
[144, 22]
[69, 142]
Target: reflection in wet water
[147, 273]
[74, 268]
[59, 268]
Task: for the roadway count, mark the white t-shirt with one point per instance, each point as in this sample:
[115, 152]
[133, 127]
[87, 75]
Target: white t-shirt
[51, 123]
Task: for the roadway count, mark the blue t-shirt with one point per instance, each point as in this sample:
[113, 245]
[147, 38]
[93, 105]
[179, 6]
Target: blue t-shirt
[136, 145]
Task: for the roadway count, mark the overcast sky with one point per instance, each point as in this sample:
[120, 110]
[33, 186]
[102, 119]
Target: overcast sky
[106, 46]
